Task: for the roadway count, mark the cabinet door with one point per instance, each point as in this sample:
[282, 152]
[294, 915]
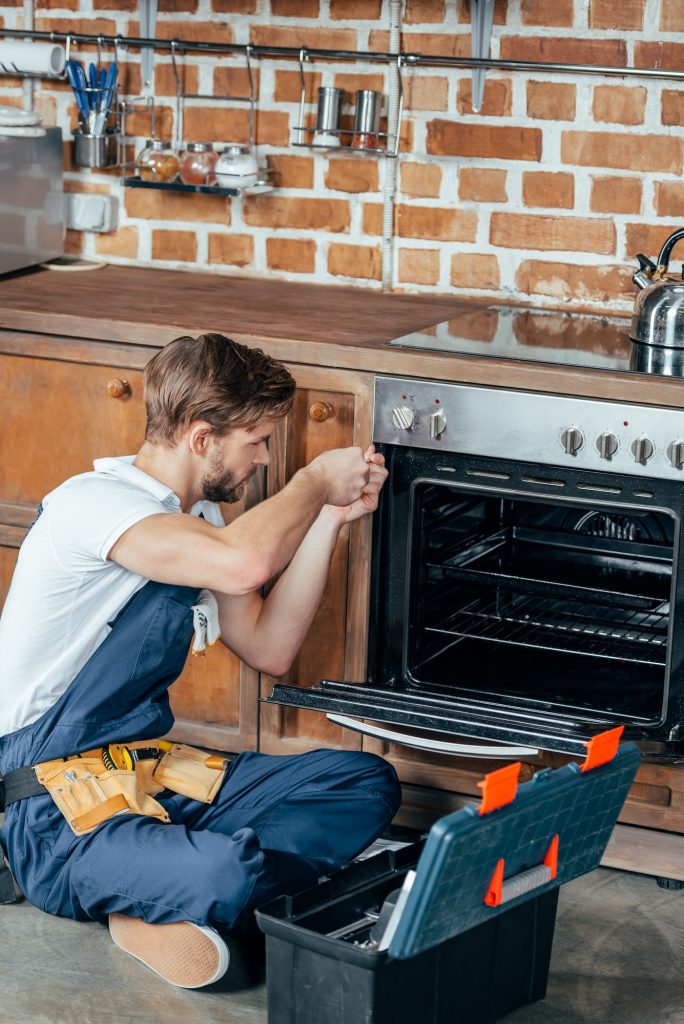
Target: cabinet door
[331, 410]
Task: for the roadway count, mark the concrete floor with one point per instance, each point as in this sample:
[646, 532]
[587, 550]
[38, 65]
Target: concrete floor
[618, 958]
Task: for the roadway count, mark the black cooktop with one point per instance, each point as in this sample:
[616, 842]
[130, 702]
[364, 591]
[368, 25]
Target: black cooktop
[532, 335]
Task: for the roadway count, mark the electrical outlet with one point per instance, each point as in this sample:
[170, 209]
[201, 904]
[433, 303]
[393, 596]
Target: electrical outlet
[89, 211]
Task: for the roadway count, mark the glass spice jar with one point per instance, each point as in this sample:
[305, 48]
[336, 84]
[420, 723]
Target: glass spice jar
[197, 164]
[237, 167]
[157, 161]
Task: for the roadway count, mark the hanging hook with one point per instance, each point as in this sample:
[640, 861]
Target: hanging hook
[100, 44]
[303, 55]
[248, 53]
[67, 47]
[179, 90]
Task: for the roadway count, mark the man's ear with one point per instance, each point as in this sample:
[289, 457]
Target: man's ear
[198, 437]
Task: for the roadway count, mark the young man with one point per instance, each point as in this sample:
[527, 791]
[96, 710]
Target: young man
[104, 821]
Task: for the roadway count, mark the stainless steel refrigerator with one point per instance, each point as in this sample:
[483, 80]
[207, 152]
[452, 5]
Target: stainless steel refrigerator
[31, 200]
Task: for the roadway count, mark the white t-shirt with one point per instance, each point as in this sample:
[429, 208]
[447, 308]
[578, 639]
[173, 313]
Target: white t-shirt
[64, 591]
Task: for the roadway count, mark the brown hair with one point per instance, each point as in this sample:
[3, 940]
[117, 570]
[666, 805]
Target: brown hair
[216, 379]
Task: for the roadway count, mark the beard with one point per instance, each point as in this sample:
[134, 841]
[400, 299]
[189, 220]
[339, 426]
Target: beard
[219, 484]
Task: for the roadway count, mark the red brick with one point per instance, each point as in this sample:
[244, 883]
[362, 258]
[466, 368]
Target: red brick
[174, 245]
[295, 8]
[288, 86]
[426, 92]
[497, 97]
[563, 234]
[616, 195]
[165, 80]
[174, 6]
[672, 106]
[482, 185]
[231, 124]
[291, 171]
[419, 266]
[669, 198]
[149, 204]
[355, 261]
[103, 5]
[318, 38]
[567, 281]
[474, 270]
[672, 16]
[62, 5]
[418, 12]
[564, 50]
[615, 149]
[138, 124]
[619, 104]
[214, 31]
[372, 218]
[548, 188]
[74, 242]
[442, 44]
[444, 225]
[421, 181]
[659, 55]
[555, 13]
[123, 242]
[616, 14]
[233, 6]
[353, 174]
[357, 10]
[453, 138]
[648, 238]
[296, 255]
[233, 80]
[281, 212]
[85, 26]
[234, 250]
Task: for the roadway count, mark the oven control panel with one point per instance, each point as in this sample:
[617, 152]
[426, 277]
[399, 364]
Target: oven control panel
[554, 430]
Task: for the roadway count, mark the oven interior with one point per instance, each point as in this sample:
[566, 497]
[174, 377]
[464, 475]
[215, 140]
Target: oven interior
[531, 601]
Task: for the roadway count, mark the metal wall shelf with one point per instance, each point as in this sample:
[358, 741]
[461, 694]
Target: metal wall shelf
[210, 190]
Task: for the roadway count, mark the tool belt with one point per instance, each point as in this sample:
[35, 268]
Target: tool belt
[122, 778]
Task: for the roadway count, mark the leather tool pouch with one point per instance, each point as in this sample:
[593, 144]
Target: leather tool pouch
[190, 772]
[88, 794]
[88, 790]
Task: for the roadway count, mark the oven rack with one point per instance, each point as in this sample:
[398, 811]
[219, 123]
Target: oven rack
[594, 629]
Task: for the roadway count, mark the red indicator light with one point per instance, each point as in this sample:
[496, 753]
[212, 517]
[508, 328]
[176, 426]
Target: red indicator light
[436, 401]
[625, 423]
[403, 398]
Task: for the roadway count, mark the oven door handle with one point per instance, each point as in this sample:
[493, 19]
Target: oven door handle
[435, 746]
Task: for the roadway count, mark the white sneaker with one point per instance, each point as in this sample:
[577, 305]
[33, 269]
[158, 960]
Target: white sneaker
[184, 954]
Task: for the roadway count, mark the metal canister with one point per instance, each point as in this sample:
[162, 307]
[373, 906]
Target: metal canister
[328, 115]
[368, 107]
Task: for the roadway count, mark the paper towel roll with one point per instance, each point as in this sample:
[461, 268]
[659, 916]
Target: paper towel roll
[36, 58]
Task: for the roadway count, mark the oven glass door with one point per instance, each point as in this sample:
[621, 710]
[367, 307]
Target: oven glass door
[513, 617]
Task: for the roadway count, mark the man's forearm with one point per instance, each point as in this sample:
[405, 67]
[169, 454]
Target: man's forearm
[276, 527]
[289, 609]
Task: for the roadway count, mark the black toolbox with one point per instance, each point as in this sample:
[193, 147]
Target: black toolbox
[465, 935]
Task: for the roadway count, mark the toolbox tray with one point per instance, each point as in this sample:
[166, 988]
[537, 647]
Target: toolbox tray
[467, 949]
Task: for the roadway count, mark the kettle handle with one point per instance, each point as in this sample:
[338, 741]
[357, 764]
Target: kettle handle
[664, 257]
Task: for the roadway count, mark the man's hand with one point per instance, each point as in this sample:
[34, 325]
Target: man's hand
[367, 501]
[344, 474]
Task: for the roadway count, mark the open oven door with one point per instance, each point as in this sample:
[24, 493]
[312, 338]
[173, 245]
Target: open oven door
[488, 731]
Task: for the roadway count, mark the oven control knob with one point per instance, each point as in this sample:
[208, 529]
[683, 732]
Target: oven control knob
[403, 417]
[572, 440]
[675, 454]
[642, 450]
[607, 445]
[438, 422]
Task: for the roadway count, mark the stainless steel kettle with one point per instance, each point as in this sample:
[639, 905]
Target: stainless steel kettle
[658, 317]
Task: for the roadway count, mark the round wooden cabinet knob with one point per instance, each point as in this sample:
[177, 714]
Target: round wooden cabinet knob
[118, 388]
[321, 411]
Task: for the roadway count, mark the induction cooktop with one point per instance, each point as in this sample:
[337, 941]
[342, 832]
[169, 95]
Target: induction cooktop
[533, 335]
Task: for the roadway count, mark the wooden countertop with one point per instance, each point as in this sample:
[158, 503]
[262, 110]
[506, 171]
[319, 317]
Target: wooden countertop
[300, 323]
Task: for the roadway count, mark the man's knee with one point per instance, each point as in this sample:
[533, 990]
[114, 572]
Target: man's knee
[373, 775]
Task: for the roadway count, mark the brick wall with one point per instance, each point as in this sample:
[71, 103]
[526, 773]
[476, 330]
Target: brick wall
[547, 194]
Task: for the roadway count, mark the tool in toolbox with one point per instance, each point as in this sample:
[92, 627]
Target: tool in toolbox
[458, 928]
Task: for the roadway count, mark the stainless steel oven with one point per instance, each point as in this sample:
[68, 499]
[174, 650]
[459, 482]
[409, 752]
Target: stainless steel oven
[527, 586]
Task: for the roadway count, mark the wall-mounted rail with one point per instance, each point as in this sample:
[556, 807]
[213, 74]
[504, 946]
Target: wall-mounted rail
[284, 52]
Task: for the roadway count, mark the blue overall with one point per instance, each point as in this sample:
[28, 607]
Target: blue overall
[275, 826]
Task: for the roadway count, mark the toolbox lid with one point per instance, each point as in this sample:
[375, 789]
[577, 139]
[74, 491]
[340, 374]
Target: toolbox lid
[479, 862]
